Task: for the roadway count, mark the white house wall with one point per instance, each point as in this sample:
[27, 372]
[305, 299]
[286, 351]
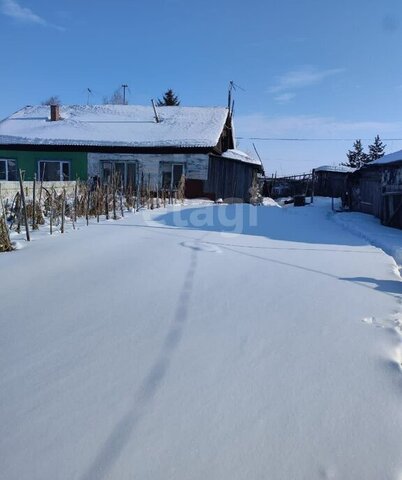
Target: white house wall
[196, 165]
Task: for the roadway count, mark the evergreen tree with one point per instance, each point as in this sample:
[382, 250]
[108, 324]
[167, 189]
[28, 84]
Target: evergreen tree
[169, 99]
[356, 157]
[376, 150]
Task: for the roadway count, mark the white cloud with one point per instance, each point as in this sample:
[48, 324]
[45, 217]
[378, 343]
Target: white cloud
[301, 78]
[308, 126]
[284, 97]
[13, 9]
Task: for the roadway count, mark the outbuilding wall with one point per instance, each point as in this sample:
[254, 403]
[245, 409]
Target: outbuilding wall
[378, 191]
[392, 195]
[229, 179]
[368, 195]
[329, 184]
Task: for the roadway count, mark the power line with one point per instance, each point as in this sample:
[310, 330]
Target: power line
[273, 139]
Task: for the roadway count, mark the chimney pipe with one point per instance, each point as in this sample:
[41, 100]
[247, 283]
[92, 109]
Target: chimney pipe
[54, 113]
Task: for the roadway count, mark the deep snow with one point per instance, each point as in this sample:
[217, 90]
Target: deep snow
[162, 346]
[125, 125]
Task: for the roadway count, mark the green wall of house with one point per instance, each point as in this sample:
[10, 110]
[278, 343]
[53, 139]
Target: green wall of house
[28, 161]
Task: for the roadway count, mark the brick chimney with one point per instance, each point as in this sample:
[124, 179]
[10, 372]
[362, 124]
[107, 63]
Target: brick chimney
[54, 113]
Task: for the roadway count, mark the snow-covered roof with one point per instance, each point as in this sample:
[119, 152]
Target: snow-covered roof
[333, 168]
[241, 156]
[390, 158]
[115, 125]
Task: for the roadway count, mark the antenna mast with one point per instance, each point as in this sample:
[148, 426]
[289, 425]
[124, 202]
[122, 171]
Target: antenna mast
[89, 93]
[230, 94]
[232, 86]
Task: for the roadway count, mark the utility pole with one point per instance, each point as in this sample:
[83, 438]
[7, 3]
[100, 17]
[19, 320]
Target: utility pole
[124, 86]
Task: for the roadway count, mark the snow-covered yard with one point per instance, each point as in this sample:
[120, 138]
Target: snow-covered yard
[203, 342]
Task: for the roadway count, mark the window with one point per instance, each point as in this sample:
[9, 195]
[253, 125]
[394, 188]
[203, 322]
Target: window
[171, 174]
[8, 169]
[126, 171]
[54, 170]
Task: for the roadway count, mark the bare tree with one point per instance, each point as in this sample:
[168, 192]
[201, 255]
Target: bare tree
[117, 98]
[181, 189]
[255, 191]
[53, 100]
[5, 242]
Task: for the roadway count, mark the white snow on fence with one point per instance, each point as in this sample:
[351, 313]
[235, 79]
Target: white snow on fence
[334, 168]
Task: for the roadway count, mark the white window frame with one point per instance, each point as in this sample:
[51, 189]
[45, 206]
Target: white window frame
[6, 160]
[125, 162]
[61, 179]
[172, 165]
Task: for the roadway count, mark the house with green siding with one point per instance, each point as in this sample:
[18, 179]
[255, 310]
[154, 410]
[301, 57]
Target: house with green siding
[160, 144]
[34, 161]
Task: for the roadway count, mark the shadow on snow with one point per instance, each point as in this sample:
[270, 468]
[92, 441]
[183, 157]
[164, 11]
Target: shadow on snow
[304, 224]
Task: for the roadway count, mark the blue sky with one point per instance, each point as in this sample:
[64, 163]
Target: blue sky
[310, 69]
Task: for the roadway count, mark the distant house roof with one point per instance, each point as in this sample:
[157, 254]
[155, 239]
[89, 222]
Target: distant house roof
[390, 158]
[241, 156]
[332, 168]
[115, 126]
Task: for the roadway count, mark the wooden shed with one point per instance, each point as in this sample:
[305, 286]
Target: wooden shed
[330, 181]
[376, 189]
[230, 176]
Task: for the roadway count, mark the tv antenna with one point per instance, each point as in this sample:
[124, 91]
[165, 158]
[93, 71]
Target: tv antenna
[90, 94]
[232, 87]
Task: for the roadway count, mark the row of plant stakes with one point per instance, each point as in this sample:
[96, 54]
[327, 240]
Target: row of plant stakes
[90, 200]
